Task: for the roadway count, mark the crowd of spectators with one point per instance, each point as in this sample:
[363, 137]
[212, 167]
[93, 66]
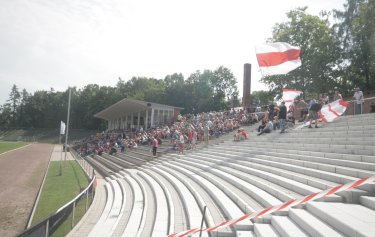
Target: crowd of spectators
[184, 133]
[190, 129]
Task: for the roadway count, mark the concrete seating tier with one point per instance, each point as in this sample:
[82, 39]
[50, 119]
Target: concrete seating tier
[156, 197]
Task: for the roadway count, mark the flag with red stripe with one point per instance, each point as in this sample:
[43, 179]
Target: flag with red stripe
[333, 110]
[277, 58]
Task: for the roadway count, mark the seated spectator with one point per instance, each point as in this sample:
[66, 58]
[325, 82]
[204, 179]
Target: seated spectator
[237, 135]
[267, 129]
[244, 134]
[276, 123]
[112, 150]
[263, 124]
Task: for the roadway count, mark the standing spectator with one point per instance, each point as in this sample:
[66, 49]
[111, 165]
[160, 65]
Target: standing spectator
[206, 134]
[358, 96]
[282, 116]
[315, 107]
[337, 96]
[190, 138]
[181, 143]
[326, 99]
[194, 139]
[271, 109]
[155, 144]
[303, 107]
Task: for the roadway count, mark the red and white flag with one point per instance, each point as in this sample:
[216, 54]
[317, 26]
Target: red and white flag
[333, 110]
[289, 96]
[277, 58]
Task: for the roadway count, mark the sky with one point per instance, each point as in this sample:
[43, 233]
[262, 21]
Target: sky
[60, 43]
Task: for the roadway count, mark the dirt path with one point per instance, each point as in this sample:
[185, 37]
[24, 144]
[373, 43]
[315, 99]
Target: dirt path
[21, 174]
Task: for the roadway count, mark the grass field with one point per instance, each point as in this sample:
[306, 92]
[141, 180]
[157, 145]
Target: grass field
[7, 146]
[59, 190]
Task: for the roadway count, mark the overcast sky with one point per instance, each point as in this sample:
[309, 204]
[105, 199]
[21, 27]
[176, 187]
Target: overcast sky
[61, 43]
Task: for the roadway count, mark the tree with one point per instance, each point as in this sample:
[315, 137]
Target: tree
[14, 99]
[5, 116]
[24, 118]
[357, 29]
[262, 97]
[320, 53]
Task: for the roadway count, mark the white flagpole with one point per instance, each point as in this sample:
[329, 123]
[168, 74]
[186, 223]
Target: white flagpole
[67, 122]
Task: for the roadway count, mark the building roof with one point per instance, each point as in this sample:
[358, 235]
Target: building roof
[128, 106]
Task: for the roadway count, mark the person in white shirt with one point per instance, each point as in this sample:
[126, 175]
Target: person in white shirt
[358, 104]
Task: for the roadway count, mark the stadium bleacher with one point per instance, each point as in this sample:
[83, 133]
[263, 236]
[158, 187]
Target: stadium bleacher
[157, 197]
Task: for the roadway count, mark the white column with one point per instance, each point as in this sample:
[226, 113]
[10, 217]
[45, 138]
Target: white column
[132, 121]
[152, 117]
[146, 121]
[162, 117]
[126, 122]
[139, 119]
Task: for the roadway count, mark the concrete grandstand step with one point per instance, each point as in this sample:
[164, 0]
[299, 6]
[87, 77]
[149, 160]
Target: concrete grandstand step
[318, 157]
[245, 234]
[311, 224]
[99, 167]
[178, 217]
[214, 215]
[112, 211]
[137, 217]
[310, 163]
[129, 158]
[316, 172]
[190, 205]
[353, 172]
[344, 149]
[319, 140]
[149, 214]
[351, 219]
[293, 181]
[368, 202]
[286, 227]
[337, 156]
[128, 206]
[266, 194]
[119, 161]
[265, 230]
[163, 215]
[239, 197]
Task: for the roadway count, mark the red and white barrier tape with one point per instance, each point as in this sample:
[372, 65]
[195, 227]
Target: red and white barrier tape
[284, 206]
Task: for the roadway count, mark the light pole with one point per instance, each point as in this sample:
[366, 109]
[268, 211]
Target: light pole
[67, 123]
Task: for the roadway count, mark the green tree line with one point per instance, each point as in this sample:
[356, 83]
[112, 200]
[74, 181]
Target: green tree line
[201, 91]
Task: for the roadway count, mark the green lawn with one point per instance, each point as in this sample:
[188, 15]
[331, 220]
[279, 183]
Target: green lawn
[7, 146]
[59, 190]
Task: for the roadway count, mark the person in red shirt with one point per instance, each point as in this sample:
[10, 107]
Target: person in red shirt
[190, 138]
[155, 145]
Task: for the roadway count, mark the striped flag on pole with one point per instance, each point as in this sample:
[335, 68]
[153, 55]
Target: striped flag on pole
[277, 58]
[62, 128]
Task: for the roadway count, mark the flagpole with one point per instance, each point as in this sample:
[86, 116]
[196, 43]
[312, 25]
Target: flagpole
[67, 123]
[60, 145]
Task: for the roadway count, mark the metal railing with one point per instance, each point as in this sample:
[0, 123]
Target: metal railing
[365, 106]
[67, 216]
